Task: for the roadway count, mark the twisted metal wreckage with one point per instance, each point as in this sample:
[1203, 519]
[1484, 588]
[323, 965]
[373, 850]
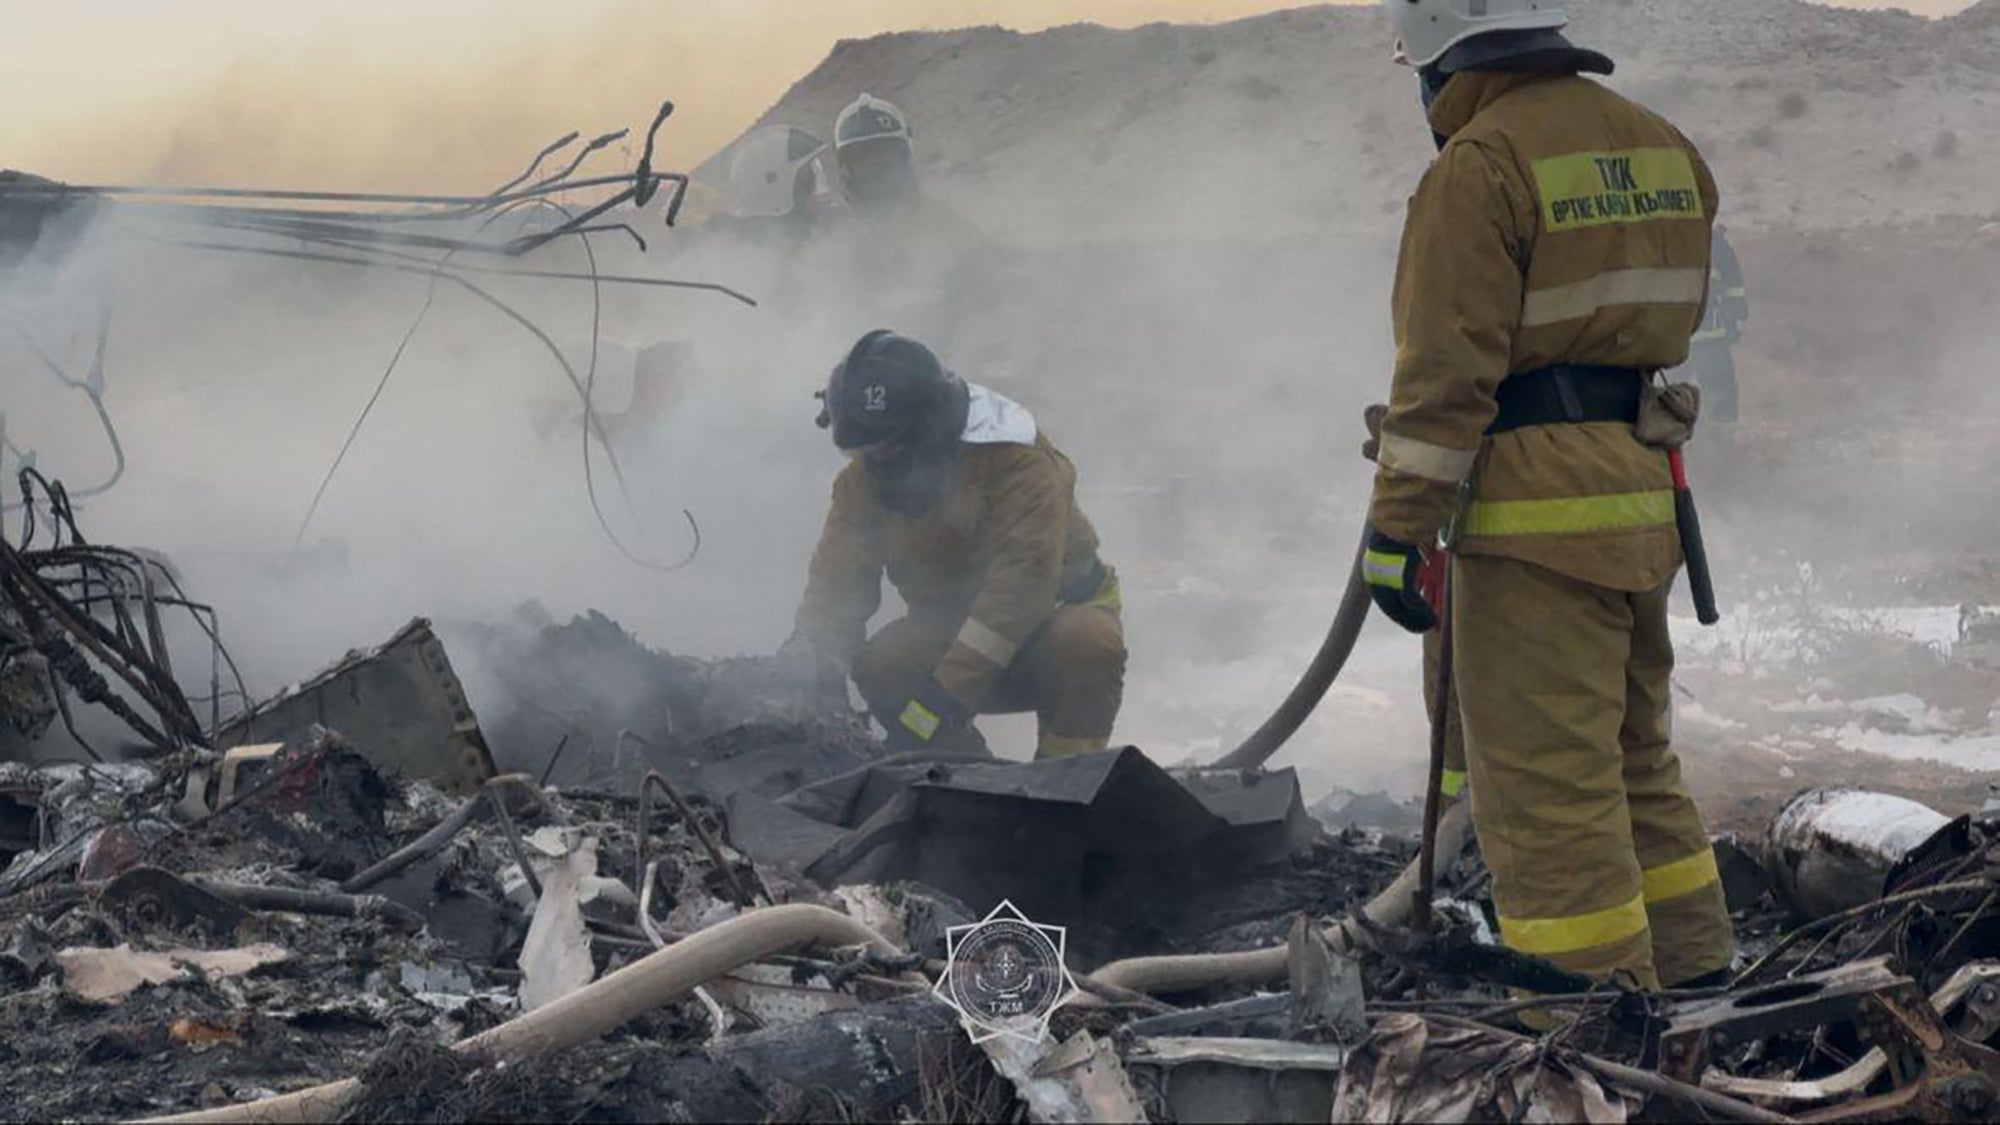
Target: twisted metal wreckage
[358, 927]
[45, 221]
[266, 920]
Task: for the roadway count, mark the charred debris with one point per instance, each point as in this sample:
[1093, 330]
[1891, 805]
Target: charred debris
[634, 887]
[656, 888]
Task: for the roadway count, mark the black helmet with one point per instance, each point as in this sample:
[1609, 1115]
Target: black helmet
[891, 391]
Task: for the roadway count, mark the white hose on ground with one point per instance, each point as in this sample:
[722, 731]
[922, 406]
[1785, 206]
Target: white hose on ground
[1391, 908]
[597, 1008]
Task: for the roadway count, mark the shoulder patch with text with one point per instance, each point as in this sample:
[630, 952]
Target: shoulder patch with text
[1634, 185]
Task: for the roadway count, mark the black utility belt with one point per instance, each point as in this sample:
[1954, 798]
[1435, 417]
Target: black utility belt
[1566, 394]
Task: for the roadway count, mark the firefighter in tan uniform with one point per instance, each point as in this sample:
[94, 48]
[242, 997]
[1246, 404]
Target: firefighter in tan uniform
[956, 495]
[1556, 256]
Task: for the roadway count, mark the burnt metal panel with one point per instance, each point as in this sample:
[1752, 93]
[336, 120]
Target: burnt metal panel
[399, 705]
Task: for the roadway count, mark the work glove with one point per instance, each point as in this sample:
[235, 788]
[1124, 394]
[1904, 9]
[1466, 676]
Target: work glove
[1372, 418]
[818, 678]
[923, 717]
[1406, 581]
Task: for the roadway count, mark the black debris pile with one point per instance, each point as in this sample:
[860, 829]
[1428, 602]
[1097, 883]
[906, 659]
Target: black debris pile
[215, 926]
[744, 911]
[415, 1078]
[585, 704]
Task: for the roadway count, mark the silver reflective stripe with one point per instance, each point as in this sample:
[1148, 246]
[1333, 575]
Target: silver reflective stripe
[1383, 570]
[1616, 287]
[986, 643]
[1422, 459]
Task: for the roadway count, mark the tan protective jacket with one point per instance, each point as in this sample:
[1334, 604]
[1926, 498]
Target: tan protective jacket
[1561, 223]
[996, 553]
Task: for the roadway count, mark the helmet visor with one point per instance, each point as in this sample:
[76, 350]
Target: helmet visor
[877, 170]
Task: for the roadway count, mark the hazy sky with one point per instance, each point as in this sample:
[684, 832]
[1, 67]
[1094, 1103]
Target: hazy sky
[438, 94]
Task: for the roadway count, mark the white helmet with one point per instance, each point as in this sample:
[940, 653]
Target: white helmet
[772, 170]
[1426, 29]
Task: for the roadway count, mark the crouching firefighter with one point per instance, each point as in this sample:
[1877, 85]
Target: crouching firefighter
[1556, 256]
[955, 494]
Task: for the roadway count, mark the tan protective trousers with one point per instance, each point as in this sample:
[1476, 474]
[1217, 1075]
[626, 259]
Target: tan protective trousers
[1600, 861]
[1071, 673]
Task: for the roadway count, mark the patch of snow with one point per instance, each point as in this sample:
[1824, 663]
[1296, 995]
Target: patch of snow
[1692, 712]
[1918, 716]
[1977, 752]
[1810, 705]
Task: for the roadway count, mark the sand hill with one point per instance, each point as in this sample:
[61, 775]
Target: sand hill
[1814, 117]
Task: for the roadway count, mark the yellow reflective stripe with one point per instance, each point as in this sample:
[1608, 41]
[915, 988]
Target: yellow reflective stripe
[1384, 570]
[1634, 185]
[1546, 936]
[1058, 746]
[1109, 596]
[920, 720]
[1707, 334]
[1736, 291]
[1682, 876]
[1453, 783]
[1569, 515]
[1614, 287]
[987, 642]
[1422, 459]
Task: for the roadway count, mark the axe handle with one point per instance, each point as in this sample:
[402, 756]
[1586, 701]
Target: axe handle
[1700, 582]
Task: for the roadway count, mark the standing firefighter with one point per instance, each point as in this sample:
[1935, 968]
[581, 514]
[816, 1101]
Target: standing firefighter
[954, 492]
[1712, 359]
[1556, 256]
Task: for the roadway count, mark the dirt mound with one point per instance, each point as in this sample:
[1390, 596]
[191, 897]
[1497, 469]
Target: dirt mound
[1296, 121]
[1984, 16]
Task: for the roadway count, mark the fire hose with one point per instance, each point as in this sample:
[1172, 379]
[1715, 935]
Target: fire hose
[1391, 909]
[597, 1008]
[1312, 686]
[1444, 831]
[1348, 621]
[1352, 615]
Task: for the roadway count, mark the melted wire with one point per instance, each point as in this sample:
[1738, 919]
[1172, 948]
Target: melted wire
[584, 387]
[92, 387]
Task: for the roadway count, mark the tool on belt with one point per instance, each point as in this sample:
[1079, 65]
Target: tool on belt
[1440, 715]
[1574, 393]
[1700, 582]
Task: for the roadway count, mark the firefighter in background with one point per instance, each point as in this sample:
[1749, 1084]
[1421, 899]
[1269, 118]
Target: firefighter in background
[1711, 357]
[955, 494]
[1556, 256]
[774, 175]
[781, 172]
[873, 155]
[786, 180]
